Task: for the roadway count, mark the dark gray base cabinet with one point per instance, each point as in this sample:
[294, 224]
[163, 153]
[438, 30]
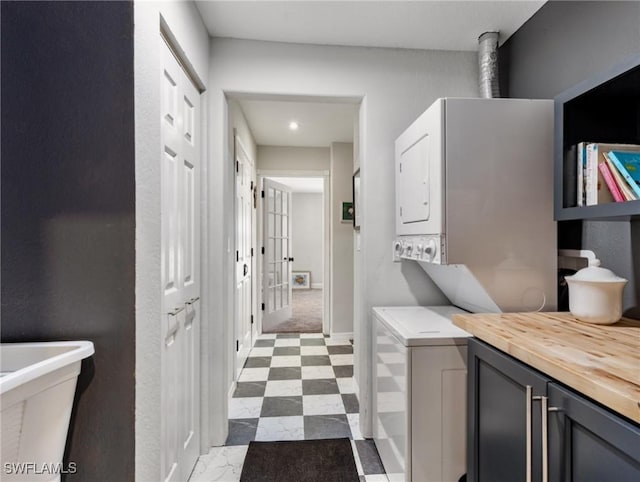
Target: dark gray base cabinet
[584, 442]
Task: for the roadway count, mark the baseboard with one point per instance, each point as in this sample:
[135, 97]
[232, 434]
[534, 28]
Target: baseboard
[348, 335]
[317, 286]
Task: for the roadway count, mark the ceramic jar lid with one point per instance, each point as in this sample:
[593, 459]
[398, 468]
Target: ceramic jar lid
[595, 273]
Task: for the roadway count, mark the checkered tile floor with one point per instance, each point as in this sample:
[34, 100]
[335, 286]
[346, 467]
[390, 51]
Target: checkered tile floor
[294, 387]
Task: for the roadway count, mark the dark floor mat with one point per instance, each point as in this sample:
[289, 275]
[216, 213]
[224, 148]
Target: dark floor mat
[303, 460]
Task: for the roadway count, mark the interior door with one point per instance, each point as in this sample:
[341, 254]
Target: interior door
[276, 291]
[244, 236]
[180, 259]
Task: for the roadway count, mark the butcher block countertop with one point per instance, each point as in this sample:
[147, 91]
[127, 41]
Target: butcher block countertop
[602, 362]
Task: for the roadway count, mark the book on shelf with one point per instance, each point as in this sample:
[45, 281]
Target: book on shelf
[596, 191]
[623, 185]
[581, 161]
[628, 164]
[611, 183]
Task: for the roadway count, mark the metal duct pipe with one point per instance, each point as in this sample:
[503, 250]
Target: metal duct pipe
[488, 62]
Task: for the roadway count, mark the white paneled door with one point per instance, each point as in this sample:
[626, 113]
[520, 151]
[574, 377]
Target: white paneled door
[180, 258]
[244, 253]
[276, 282]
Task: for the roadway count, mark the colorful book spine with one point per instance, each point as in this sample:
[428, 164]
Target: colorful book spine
[624, 187]
[615, 157]
[611, 183]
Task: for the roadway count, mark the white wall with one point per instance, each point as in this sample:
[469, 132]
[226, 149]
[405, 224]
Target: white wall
[188, 30]
[293, 158]
[341, 239]
[396, 86]
[307, 235]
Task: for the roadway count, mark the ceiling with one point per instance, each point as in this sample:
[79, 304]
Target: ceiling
[439, 25]
[302, 184]
[319, 123]
[432, 25]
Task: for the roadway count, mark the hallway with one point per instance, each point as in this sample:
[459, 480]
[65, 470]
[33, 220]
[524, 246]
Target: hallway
[306, 313]
[293, 387]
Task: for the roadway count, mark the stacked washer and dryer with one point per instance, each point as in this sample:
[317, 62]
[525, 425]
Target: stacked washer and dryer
[474, 207]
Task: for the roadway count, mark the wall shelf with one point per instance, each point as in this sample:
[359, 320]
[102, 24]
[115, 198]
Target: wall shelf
[603, 108]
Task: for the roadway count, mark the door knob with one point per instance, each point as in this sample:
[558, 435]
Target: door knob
[245, 270]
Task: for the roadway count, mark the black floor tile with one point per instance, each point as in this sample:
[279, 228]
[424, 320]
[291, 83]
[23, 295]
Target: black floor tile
[281, 407]
[288, 335]
[242, 431]
[342, 371]
[339, 349]
[387, 384]
[258, 362]
[285, 373]
[312, 342]
[315, 360]
[249, 389]
[264, 343]
[369, 458]
[320, 387]
[286, 350]
[350, 402]
[326, 426]
[397, 368]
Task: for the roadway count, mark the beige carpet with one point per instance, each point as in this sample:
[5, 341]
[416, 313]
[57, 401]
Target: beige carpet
[307, 313]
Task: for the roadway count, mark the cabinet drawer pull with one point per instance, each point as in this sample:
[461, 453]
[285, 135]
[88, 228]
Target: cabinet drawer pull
[529, 400]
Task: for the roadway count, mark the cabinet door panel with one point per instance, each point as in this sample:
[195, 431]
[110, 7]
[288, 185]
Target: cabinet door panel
[588, 443]
[497, 438]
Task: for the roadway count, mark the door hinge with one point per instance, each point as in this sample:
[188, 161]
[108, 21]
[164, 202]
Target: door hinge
[237, 256]
[252, 252]
[237, 345]
[252, 319]
[400, 211]
[252, 185]
[400, 167]
[262, 194]
[237, 166]
[262, 251]
[262, 306]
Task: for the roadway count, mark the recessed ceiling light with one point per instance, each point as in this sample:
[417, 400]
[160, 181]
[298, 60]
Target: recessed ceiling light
[293, 126]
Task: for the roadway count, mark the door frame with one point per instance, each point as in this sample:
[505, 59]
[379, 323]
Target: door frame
[326, 244]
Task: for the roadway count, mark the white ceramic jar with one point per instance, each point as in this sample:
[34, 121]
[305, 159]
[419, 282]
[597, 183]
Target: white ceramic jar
[595, 295]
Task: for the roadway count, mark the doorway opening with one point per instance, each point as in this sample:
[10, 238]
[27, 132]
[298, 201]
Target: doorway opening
[293, 264]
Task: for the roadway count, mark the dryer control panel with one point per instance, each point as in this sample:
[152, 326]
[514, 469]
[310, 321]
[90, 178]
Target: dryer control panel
[430, 249]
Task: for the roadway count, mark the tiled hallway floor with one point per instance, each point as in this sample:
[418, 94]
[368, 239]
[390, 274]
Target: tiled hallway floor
[292, 387]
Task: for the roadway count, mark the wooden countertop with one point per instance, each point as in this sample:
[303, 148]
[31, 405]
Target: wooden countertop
[602, 362]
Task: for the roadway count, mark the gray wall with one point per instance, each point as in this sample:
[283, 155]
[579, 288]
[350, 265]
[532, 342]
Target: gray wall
[562, 44]
[307, 235]
[68, 209]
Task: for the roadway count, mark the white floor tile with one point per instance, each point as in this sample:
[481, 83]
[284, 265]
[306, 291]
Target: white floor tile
[311, 335]
[311, 373]
[280, 428]
[346, 385]
[383, 370]
[354, 425]
[376, 478]
[313, 350]
[254, 375]
[262, 351]
[288, 342]
[220, 464]
[337, 341]
[392, 357]
[267, 336]
[283, 388]
[245, 407]
[341, 359]
[322, 405]
[286, 361]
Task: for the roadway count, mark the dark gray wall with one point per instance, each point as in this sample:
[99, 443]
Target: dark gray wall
[561, 45]
[68, 202]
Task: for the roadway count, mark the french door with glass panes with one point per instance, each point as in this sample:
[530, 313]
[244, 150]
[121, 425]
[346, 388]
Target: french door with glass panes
[277, 259]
